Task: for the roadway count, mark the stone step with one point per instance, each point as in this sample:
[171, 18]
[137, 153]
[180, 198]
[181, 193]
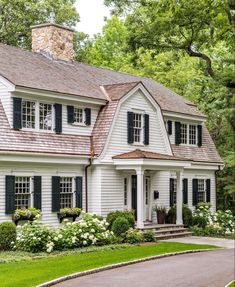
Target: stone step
[170, 230]
[173, 235]
[162, 226]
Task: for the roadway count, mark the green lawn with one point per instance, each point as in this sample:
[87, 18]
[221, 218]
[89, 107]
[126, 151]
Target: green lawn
[232, 284]
[30, 273]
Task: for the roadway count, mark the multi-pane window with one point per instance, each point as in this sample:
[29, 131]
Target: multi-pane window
[192, 134]
[45, 116]
[174, 190]
[22, 192]
[78, 115]
[137, 120]
[201, 190]
[184, 133]
[125, 191]
[28, 114]
[66, 192]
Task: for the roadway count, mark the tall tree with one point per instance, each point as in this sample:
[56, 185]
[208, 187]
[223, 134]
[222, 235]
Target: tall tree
[16, 17]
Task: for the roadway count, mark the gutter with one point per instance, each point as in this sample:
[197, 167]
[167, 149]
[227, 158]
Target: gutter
[86, 171]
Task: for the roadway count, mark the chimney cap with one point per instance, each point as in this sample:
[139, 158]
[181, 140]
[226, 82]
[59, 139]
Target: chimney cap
[52, 24]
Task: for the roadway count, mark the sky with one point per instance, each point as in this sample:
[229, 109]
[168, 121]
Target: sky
[92, 13]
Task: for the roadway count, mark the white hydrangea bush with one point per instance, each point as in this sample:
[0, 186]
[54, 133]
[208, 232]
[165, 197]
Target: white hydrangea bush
[87, 231]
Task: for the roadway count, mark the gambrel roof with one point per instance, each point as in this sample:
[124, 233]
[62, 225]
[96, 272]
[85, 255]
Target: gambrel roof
[32, 70]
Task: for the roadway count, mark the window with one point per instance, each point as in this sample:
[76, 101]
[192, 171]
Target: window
[174, 190]
[184, 133]
[147, 188]
[125, 191]
[45, 116]
[137, 125]
[78, 115]
[201, 190]
[28, 114]
[22, 192]
[66, 192]
[192, 134]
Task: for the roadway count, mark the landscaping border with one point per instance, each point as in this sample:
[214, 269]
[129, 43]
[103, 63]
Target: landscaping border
[117, 265]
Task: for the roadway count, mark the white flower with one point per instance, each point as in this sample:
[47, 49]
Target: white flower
[84, 242]
[56, 238]
[60, 236]
[34, 238]
[93, 230]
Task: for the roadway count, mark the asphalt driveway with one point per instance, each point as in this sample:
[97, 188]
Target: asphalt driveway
[206, 269]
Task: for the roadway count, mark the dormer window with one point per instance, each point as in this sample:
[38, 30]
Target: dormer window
[138, 127]
[188, 134]
[184, 133]
[45, 116]
[28, 114]
[78, 115]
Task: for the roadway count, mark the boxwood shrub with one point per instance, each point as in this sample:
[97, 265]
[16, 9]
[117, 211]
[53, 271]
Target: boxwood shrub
[120, 226]
[128, 214]
[7, 235]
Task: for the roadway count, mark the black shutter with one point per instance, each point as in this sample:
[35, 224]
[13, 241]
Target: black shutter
[185, 190]
[208, 190]
[37, 196]
[58, 118]
[70, 114]
[199, 135]
[146, 129]
[79, 191]
[10, 194]
[17, 124]
[169, 127]
[55, 194]
[177, 133]
[195, 191]
[130, 128]
[171, 191]
[88, 117]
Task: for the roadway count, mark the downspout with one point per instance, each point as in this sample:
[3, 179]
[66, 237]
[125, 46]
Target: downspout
[86, 171]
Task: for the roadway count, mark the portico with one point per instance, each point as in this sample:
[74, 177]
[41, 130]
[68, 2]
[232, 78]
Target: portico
[140, 164]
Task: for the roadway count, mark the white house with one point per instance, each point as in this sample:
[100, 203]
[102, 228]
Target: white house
[73, 134]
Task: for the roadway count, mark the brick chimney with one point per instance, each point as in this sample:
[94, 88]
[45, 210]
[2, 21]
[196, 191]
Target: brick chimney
[53, 41]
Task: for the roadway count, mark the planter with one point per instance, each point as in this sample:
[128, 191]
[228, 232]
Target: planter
[25, 215]
[62, 217]
[161, 217]
[22, 221]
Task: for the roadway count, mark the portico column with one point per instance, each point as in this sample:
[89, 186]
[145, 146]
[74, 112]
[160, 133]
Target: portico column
[179, 200]
[140, 198]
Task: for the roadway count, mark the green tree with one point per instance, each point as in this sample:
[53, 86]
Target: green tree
[16, 17]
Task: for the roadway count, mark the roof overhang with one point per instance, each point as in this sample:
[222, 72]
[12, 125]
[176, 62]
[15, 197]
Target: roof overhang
[152, 164]
[182, 116]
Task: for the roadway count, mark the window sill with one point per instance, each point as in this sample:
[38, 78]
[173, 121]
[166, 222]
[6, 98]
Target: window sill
[138, 144]
[79, 125]
[37, 130]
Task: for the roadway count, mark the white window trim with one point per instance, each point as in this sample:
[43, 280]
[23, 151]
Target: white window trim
[73, 188]
[31, 188]
[82, 124]
[187, 125]
[37, 115]
[141, 142]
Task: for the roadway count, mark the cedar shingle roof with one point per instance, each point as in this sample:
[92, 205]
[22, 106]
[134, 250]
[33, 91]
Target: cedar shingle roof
[140, 154]
[40, 142]
[117, 91]
[27, 69]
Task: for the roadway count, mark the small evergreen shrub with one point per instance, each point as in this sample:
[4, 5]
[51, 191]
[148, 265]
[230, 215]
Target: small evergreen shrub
[187, 215]
[128, 214]
[7, 235]
[199, 221]
[149, 236]
[120, 226]
[134, 236]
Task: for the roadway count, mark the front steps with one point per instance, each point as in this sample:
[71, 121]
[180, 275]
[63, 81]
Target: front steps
[167, 231]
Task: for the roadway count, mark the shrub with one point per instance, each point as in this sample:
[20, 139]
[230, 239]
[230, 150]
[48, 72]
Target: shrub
[226, 220]
[187, 215]
[120, 226]
[7, 235]
[149, 236]
[89, 230]
[34, 237]
[199, 221]
[128, 214]
[207, 231]
[134, 236]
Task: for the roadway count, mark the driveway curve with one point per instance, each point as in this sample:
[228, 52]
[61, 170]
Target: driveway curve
[206, 269]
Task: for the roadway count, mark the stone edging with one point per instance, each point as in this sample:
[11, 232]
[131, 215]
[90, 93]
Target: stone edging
[112, 266]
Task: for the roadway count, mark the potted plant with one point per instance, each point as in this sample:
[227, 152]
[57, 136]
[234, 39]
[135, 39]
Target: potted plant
[161, 214]
[69, 212]
[25, 214]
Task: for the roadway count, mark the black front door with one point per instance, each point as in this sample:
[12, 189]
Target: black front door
[134, 193]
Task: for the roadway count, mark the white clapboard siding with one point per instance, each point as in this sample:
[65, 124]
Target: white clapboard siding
[94, 190]
[118, 140]
[160, 182]
[112, 190]
[46, 174]
[79, 129]
[6, 101]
